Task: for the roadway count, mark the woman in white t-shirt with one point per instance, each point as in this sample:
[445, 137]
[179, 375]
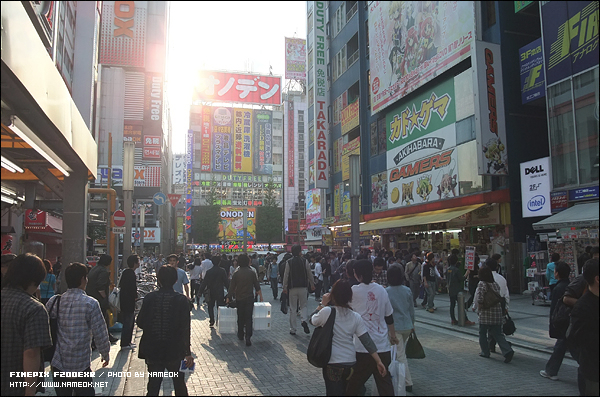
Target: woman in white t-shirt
[347, 327]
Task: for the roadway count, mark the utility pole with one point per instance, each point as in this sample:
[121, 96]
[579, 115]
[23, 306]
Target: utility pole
[354, 207]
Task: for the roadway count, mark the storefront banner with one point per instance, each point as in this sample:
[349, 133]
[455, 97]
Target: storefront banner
[490, 124]
[559, 201]
[132, 133]
[221, 139]
[151, 235]
[238, 88]
[295, 59]
[263, 142]
[570, 31]
[352, 147]
[337, 199]
[205, 139]
[531, 63]
[429, 179]
[412, 42]
[470, 257]
[189, 156]
[313, 206]
[291, 156]
[535, 188]
[586, 193]
[379, 194]
[242, 140]
[350, 118]
[486, 215]
[232, 223]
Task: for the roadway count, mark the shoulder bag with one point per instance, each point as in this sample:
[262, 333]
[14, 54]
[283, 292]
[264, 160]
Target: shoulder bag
[509, 326]
[413, 347]
[319, 347]
[114, 298]
[491, 298]
[49, 352]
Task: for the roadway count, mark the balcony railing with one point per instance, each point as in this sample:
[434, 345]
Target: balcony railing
[352, 11]
[353, 58]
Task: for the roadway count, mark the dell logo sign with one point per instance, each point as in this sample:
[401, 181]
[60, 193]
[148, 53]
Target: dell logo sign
[536, 203]
[534, 170]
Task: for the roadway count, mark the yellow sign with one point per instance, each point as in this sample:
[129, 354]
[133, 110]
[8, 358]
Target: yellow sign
[352, 147]
[350, 118]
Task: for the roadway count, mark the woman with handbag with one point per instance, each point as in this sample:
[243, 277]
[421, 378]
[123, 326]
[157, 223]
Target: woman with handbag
[489, 306]
[347, 325]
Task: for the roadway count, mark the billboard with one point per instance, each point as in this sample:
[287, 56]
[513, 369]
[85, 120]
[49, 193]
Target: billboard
[146, 176]
[263, 142]
[205, 139]
[570, 31]
[152, 146]
[291, 158]
[490, 124]
[531, 63]
[242, 140]
[238, 87]
[379, 195]
[232, 223]
[313, 206]
[221, 139]
[179, 168]
[320, 117]
[411, 42]
[350, 118]
[535, 188]
[123, 33]
[352, 147]
[132, 133]
[189, 163]
[295, 59]
[153, 99]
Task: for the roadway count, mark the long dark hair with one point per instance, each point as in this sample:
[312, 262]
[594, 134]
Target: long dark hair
[341, 293]
[485, 274]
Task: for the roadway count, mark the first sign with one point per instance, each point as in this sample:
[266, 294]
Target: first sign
[119, 218]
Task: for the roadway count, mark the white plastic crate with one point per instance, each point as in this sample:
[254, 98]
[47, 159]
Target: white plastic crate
[261, 323]
[227, 312]
[227, 325]
[262, 310]
[532, 285]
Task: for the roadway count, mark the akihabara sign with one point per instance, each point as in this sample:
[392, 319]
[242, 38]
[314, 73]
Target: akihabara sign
[123, 34]
[238, 87]
[321, 98]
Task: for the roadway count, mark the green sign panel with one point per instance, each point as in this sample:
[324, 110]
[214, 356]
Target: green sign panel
[519, 5]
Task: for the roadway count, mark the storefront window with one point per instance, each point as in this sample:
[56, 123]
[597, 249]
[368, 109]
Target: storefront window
[562, 135]
[585, 87]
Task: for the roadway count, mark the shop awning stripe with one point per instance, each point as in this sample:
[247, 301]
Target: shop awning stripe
[581, 215]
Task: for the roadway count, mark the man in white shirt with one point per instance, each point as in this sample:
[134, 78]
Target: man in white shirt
[318, 278]
[182, 279]
[206, 263]
[501, 281]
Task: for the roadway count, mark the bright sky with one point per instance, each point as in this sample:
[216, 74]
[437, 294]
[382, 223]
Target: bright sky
[218, 35]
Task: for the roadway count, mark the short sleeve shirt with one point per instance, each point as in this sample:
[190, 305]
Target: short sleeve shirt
[371, 301]
[182, 279]
[25, 326]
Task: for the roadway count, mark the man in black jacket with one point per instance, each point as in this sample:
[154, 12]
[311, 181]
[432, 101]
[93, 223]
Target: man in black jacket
[128, 295]
[98, 287]
[215, 280]
[297, 278]
[165, 319]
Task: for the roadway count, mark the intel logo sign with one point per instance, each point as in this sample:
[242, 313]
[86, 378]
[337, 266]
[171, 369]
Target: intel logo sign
[536, 203]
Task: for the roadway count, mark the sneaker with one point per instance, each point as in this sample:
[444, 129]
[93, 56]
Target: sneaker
[112, 339]
[483, 355]
[248, 343]
[211, 325]
[509, 356]
[305, 326]
[292, 332]
[546, 375]
[434, 308]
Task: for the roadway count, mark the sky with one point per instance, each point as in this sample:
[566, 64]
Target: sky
[218, 35]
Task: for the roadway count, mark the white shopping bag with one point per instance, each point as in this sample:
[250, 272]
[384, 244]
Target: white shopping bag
[398, 372]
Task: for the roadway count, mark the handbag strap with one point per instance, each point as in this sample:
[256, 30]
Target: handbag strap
[56, 302]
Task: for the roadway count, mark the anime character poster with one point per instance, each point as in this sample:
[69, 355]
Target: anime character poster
[232, 223]
[379, 194]
[313, 206]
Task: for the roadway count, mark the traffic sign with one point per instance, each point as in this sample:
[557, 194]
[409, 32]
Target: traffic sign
[159, 198]
[136, 235]
[119, 218]
[118, 230]
[174, 198]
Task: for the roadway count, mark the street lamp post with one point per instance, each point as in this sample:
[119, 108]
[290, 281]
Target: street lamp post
[354, 197]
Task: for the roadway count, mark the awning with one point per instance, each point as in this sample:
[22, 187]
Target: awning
[313, 242]
[418, 219]
[581, 215]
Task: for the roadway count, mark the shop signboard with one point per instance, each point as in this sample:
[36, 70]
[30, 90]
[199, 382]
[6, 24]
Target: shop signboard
[189, 163]
[123, 33]
[535, 188]
[313, 206]
[586, 193]
[379, 194]
[232, 223]
[486, 215]
[151, 235]
[242, 140]
[215, 86]
[470, 257]
[263, 143]
[291, 158]
[490, 124]
[221, 139]
[350, 118]
[352, 147]
[570, 31]
[205, 139]
[132, 133]
[559, 201]
[531, 62]
[412, 42]
[295, 59]
[178, 169]
[337, 199]
[425, 180]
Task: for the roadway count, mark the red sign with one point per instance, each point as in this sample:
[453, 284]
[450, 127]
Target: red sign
[559, 201]
[291, 159]
[238, 87]
[35, 218]
[151, 153]
[119, 218]
[321, 146]
[174, 198]
[470, 257]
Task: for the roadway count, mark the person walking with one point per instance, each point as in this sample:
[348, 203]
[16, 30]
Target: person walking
[429, 281]
[493, 265]
[215, 281]
[401, 299]
[334, 263]
[25, 327]
[318, 269]
[48, 285]
[456, 282]
[182, 279]
[195, 279]
[128, 296]
[347, 325]
[297, 278]
[273, 272]
[380, 272]
[555, 257]
[165, 319]
[473, 276]
[490, 318]
[243, 282]
[413, 274]
[98, 287]
[326, 273]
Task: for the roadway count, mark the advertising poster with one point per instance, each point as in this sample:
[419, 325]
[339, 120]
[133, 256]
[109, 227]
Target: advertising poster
[313, 206]
[559, 201]
[570, 31]
[411, 42]
[425, 180]
[311, 172]
[189, 163]
[295, 59]
[263, 142]
[337, 199]
[215, 86]
[205, 139]
[352, 147]
[422, 126]
[346, 204]
[232, 223]
[531, 62]
[350, 118]
[132, 133]
[535, 188]
[379, 194]
[469, 257]
[221, 139]
[242, 140]
[123, 34]
[291, 160]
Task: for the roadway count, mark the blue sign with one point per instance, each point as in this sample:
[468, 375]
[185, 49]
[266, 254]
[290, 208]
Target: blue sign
[586, 193]
[159, 198]
[531, 62]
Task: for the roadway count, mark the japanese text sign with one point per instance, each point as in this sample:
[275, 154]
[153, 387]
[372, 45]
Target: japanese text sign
[263, 142]
[189, 153]
[535, 188]
[291, 160]
[352, 147]
[350, 118]
[242, 140]
[221, 139]
[132, 133]
[470, 257]
[531, 61]
[295, 59]
[237, 87]
[205, 139]
[179, 168]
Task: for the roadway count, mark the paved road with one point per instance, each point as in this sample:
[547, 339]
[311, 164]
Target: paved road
[276, 362]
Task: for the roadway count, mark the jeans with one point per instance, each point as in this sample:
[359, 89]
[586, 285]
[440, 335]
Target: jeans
[336, 378]
[430, 293]
[555, 361]
[318, 287]
[88, 383]
[274, 287]
[127, 333]
[154, 382]
[244, 317]
[496, 331]
[220, 301]
[452, 306]
[195, 287]
[325, 284]
[363, 369]
[415, 288]
[298, 298]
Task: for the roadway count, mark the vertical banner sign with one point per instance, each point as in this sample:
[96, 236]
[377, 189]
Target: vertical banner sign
[123, 33]
[490, 124]
[189, 153]
[205, 147]
[531, 62]
[242, 140]
[291, 160]
[535, 188]
[337, 199]
[470, 257]
[263, 142]
[313, 206]
[570, 38]
[221, 125]
[295, 59]
[321, 98]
